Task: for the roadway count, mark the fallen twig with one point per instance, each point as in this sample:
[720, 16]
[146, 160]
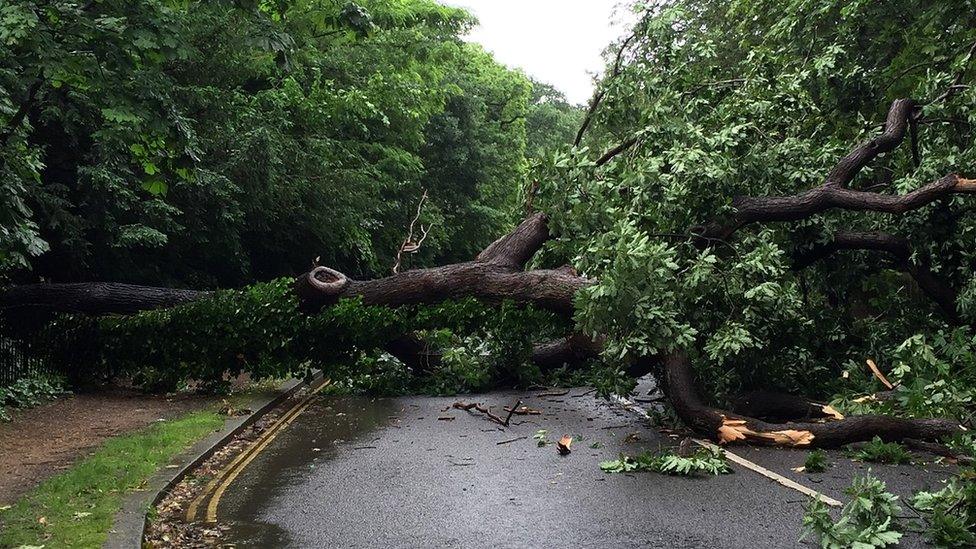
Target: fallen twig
[584, 393]
[468, 406]
[522, 411]
[511, 411]
[553, 393]
[510, 440]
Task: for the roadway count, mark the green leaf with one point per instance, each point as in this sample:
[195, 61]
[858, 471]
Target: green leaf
[155, 187]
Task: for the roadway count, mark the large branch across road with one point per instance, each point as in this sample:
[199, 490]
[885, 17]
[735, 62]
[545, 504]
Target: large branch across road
[93, 298]
[497, 274]
[494, 276]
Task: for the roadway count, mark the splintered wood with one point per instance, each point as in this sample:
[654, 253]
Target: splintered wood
[563, 446]
[733, 430]
[832, 412]
[877, 373]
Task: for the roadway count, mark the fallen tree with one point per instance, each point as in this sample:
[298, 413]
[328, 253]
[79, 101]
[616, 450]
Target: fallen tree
[499, 273]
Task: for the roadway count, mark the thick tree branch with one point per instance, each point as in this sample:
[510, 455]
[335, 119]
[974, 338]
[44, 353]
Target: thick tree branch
[895, 126]
[548, 289]
[727, 427]
[833, 193]
[900, 251]
[764, 209]
[516, 248]
[494, 276]
[93, 298]
[571, 350]
[613, 152]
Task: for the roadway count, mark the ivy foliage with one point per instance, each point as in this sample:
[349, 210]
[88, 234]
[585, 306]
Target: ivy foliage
[29, 391]
[762, 98]
[259, 331]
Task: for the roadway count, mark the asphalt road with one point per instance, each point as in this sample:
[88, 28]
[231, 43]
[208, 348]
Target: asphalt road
[357, 472]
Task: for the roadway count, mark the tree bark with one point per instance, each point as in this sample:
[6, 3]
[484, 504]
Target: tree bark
[494, 276]
[93, 298]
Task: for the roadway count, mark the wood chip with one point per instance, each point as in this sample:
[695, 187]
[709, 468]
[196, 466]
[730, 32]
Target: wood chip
[563, 446]
[877, 373]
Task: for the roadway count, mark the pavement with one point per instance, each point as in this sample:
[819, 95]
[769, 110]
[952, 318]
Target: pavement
[393, 472]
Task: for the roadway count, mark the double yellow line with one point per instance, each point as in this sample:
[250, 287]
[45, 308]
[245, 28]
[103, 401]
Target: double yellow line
[226, 476]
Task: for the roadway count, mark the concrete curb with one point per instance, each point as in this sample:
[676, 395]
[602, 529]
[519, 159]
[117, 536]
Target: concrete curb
[129, 525]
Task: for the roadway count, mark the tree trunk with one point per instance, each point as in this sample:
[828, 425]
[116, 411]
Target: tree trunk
[93, 298]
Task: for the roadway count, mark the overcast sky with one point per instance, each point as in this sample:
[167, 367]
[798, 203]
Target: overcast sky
[555, 41]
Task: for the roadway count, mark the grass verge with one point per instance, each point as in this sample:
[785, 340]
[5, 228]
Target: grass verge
[76, 508]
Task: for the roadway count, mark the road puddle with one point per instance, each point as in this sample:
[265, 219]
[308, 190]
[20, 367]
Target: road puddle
[331, 426]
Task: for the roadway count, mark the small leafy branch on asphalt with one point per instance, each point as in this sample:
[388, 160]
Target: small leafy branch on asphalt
[878, 451]
[950, 513]
[703, 461]
[869, 520]
[816, 462]
[541, 437]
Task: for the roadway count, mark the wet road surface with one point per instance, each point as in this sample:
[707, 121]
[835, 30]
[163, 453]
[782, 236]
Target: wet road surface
[363, 472]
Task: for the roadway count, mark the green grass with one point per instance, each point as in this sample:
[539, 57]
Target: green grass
[77, 507]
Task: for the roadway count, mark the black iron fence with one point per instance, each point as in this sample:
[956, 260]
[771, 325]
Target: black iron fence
[18, 360]
[45, 350]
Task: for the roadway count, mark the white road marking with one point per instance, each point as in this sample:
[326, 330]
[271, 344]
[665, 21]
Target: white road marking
[735, 458]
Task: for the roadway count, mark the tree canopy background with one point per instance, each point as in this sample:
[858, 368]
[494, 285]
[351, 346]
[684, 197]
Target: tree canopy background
[213, 144]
